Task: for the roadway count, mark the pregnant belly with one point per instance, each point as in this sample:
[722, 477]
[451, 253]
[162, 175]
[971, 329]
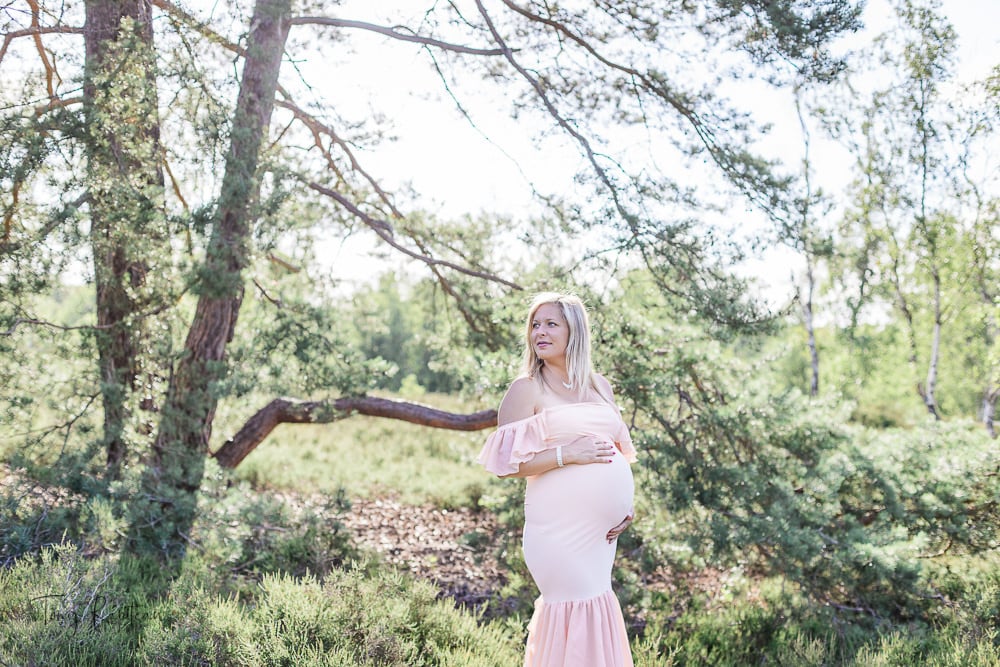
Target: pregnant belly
[597, 493]
[568, 513]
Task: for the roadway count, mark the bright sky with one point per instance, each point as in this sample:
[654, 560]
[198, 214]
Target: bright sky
[446, 160]
[435, 144]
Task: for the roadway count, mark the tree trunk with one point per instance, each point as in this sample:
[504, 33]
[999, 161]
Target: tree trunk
[162, 516]
[930, 389]
[807, 313]
[125, 198]
[291, 411]
[990, 410]
[911, 331]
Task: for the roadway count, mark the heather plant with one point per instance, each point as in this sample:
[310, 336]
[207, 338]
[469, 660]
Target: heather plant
[66, 609]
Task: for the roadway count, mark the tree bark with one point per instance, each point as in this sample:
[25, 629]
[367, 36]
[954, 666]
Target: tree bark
[930, 391]
[990, 410]
[163, 514]
[125, 197]
[807, 314]
[292, 411]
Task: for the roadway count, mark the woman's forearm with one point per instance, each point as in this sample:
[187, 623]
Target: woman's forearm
[584, 450]
[541, 462]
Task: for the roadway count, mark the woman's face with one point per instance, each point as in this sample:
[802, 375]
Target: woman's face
[549, 332]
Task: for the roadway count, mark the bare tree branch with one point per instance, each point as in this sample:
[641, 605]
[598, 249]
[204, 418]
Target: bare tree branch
[395, 33]
[293, 411]
[475, 126]
[652, 83]
[385, 232]
[284, 263]
[584, 143]
[52, 325]
[57, 103]
[190, 20]
[318, 128]
[36, 32]
[50, 70]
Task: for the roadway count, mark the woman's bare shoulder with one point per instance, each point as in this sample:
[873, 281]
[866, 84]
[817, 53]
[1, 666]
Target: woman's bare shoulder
[519, 402]
[602, 383]
[604, 389]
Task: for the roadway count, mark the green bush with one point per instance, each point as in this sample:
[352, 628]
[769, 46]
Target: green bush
[761, 624]
[34, 515]
[255, 533]
[65, 609]
[783, 484]
[62, 609]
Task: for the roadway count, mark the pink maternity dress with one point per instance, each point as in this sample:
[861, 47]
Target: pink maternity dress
[568, 512]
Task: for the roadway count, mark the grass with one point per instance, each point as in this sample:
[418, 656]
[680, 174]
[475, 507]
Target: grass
[369, 457]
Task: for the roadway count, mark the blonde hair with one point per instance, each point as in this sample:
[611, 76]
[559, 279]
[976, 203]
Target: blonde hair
[578, 364]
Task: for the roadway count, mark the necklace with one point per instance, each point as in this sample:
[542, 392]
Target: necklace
[568, 385]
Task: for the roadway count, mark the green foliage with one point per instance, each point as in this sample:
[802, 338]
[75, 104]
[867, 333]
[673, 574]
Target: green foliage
[253, 534]
[65, 610]
[272, 578]
[75, 611]
[869, 370]
[778, 483]
[765, 625]
[782, 28]
[417, 330]
[739, 471]
[31, 518]
[297, 348]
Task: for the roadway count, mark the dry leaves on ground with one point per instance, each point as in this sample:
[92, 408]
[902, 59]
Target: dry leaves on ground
[453, 548]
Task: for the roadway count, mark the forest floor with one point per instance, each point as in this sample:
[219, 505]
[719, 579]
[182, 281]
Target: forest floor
[455, 549]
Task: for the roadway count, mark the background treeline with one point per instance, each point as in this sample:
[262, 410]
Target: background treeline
[865, 367]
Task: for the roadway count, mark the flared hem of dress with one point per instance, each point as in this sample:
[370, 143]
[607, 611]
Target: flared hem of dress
[578, 633]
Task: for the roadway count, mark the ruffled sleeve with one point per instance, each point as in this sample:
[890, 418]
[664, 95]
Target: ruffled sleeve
[513, 444]
[624, 441]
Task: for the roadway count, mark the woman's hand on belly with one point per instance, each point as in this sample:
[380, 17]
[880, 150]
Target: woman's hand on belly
[589, 449]
[619, 529]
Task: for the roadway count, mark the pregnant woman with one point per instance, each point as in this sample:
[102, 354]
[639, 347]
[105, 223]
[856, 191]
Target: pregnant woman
[559, 427]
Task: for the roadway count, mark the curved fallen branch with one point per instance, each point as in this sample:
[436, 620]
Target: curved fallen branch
[294, 411]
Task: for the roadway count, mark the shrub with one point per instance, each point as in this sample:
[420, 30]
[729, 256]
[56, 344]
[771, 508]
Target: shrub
[62, 609]
[66, 609]
[348, 618]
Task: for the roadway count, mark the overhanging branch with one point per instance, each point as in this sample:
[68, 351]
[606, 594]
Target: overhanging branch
[189, 19]
[385, 232]
[562, 121]
[318, 129]
[294, 411]
[35, 31]
[395, 33]
[730, 158]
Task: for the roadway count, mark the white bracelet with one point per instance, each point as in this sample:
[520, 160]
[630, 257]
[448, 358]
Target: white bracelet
[559, 461]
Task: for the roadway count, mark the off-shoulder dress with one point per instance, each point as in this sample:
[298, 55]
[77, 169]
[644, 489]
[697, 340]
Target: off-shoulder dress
[568, 512]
